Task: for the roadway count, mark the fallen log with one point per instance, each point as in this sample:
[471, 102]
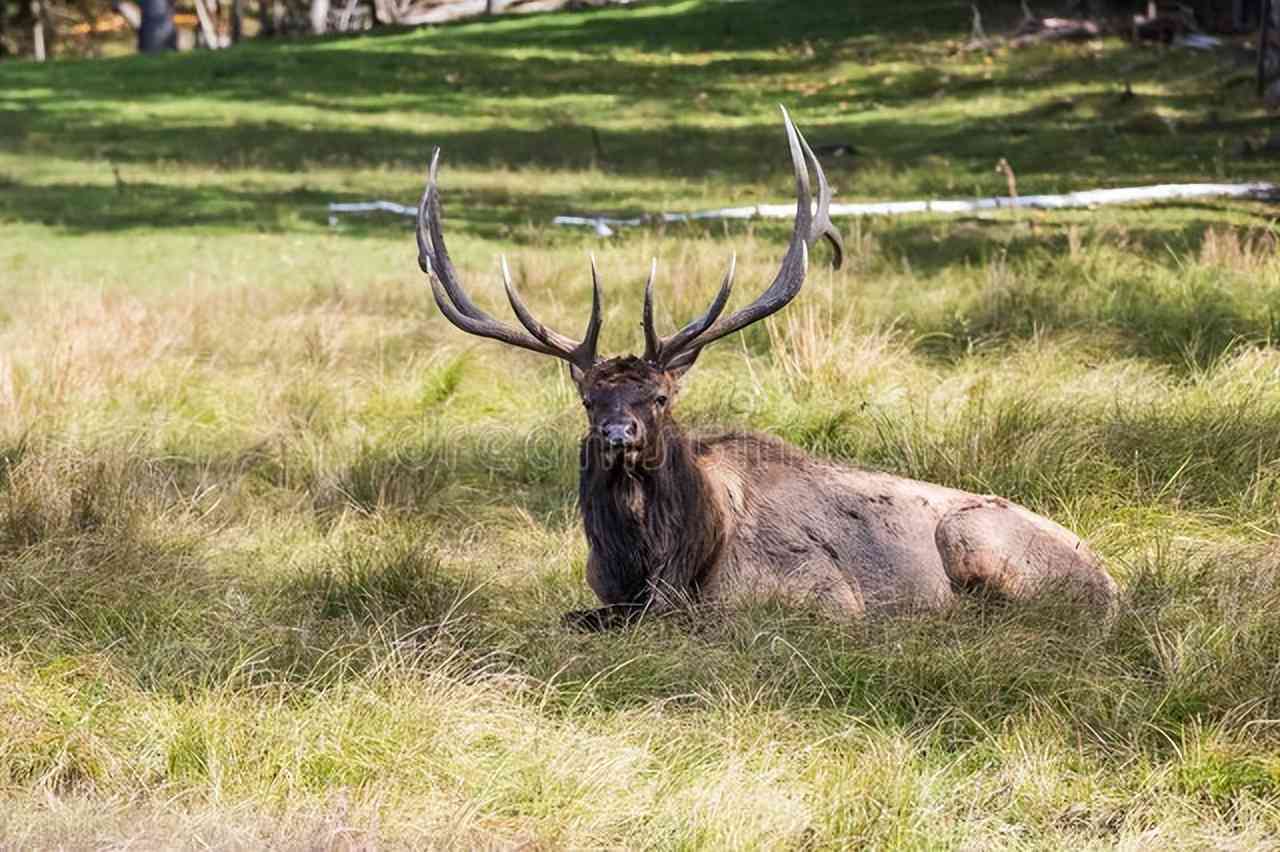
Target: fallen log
[369, 207]
[1035, 30]
[607, 225]
[411, 14]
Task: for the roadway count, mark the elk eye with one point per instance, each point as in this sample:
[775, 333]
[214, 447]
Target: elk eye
[586, 403]
[661, 400]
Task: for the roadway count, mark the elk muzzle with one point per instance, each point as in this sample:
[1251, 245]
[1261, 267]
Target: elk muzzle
[620, 433]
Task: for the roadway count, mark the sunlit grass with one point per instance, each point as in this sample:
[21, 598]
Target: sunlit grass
[283, 554]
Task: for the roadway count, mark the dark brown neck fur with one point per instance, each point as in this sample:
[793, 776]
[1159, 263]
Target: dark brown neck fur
[653, 525]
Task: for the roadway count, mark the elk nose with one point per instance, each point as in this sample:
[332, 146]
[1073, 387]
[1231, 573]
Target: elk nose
[619, 434]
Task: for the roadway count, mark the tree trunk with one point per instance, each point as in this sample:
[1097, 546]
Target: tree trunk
[271, 17]
[319, 16]
[344, 20]
[157, 32]
[39, 30]
[491, 7]
[208, 29]
[237, 20]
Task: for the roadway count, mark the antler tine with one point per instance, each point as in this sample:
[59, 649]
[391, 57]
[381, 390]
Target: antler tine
[822, 224]
[652, 343]
[548, 336]
[655, 346]
[486, 327]
[457, 307]
[433, 256]
[586, 351]
[425, 249]
[676, 342]
[682, 349]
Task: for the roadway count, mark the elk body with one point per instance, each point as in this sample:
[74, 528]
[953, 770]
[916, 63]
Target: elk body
[673, 518]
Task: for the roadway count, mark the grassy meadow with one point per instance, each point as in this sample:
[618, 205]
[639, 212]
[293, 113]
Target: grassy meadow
[283, 554]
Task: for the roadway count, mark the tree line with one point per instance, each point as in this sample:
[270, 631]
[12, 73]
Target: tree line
[42, 29]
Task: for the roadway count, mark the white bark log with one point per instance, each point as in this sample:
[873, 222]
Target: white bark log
[605, 225]
[373, 206]
[1086, 198]
[440, 13]
[413, 17]
[369, 207]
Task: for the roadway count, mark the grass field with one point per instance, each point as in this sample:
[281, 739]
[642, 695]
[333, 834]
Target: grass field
[282, 554]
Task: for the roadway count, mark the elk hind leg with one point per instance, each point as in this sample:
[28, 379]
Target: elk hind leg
[999, 548]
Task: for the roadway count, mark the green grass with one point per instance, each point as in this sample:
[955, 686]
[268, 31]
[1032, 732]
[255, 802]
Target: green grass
[283, 555]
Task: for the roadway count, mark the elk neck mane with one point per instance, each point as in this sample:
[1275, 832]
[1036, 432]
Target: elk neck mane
[654, 523]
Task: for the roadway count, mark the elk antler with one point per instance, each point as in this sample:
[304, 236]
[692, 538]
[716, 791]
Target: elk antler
[681, 349]
[433, 258]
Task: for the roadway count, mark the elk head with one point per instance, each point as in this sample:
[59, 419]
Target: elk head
[628, 399]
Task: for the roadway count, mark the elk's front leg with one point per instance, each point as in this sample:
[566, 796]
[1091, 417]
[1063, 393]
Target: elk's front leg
[603, 618]
[624, 601]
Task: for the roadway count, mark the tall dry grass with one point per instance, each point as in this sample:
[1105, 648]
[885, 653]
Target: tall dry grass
[283, 565]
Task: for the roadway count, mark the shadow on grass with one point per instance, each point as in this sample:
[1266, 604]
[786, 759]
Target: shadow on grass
[80, 207]
[932, 247]
[482, 56]
[138, 202]
[133, 203]
[107, 556]
[1173, 311]
[544, 109]
[1193, 643]
[1093, 149]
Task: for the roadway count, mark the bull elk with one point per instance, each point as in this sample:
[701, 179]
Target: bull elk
[672, 518]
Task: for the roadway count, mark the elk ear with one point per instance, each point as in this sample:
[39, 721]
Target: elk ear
[578, 376]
